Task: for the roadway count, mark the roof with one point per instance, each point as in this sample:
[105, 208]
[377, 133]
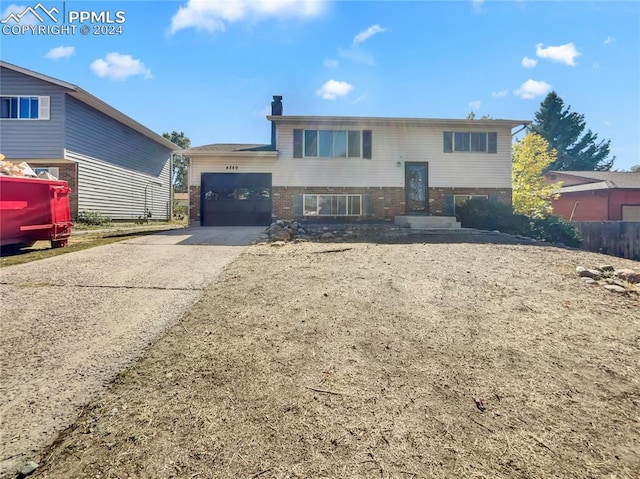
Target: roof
[95, 102]
[231, 149]
[594, 180]
[374, 120]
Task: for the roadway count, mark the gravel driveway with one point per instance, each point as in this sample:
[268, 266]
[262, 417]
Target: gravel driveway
[70, 323]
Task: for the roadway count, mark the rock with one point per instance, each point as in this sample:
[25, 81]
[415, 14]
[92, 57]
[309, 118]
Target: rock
[281, 235]
[327, 236]
[589, 281]
[606, 267]
[628, 275]
[615, 288]
[28, 467]
[301, 231]
[280, 223]
[274, 229]
[278, 243]
[325, 228]
[591, 273]
[580, 269]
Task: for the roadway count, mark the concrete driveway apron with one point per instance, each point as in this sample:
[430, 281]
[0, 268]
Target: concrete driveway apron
[70, 323]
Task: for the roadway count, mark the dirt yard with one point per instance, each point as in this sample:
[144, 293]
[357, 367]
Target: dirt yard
[390, 361]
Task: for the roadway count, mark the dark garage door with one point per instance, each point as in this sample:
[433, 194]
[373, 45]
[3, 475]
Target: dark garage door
[235, 199]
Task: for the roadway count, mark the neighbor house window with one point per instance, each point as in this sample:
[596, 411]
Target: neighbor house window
[332, 144]
[24, 107]
[52, 170]
[459, 200]
[332, 205]
[474, 142]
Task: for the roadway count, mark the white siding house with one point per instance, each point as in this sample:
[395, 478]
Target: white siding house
[391, 166]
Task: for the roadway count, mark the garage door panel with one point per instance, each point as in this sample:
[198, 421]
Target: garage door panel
[236, 199]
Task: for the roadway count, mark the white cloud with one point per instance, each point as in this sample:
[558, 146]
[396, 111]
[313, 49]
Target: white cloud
[331, 63]
[532, 88]
[368, 33]
[529, 62]
[357, 56]
[60, 52]
[566, 53]
[477, 5]
[500, 94]
[214, 15]
[333, 89]
[28, 19]
[475, 105]
[118, 67]
[609, 40]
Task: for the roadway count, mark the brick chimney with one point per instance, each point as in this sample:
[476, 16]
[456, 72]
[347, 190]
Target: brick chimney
[276, 110]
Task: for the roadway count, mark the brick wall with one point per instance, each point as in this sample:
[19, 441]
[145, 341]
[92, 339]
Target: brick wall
[437, 196]
[69, 172]
[194, 205]
[386, 202]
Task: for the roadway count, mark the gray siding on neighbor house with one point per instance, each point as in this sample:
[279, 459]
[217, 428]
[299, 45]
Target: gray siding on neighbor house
[94, 134]
[121, 193]
[23, 139]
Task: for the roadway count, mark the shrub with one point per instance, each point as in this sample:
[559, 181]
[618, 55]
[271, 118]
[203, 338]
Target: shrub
[483, 214]
[93, 218]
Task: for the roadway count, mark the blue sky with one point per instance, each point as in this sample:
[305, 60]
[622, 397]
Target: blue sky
[209, 68]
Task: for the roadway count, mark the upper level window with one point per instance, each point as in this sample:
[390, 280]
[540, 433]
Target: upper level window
[482, 142]
[332, 143]
[24, 107]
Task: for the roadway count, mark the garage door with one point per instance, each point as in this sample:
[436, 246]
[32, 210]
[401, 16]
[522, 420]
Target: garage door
[235, 199]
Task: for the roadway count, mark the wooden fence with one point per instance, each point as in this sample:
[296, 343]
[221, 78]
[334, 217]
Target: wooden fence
[616, 238]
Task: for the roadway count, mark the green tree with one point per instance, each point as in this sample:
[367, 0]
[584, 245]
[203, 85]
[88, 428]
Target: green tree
[180, 163]
[635, 169]
[563, 130]
[532, 195]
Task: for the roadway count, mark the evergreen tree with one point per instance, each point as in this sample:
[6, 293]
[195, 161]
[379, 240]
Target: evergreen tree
[562, 128]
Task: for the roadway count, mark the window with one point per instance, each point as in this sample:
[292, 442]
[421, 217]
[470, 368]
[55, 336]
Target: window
[52, 170]
[24, 107]
[475, 142]
[332, 205]
[459, 200]
[332, 144]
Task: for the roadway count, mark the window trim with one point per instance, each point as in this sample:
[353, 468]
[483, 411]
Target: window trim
[364, 146]
[449, 143]
[318, 214]
[43, 107]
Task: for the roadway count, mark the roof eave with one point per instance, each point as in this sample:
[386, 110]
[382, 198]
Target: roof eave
[232, 154]
[393, 120]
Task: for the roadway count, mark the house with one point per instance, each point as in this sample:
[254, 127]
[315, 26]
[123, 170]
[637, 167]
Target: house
[597, 195]
[113, 164]
[326, 168]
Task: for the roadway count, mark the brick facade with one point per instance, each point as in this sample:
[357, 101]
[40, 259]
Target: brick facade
[69, 172]
[387, 203]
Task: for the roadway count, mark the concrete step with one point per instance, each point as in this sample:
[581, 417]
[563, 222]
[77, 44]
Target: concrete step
[427, 222]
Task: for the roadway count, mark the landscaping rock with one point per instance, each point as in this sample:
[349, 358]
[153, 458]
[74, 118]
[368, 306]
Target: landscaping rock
[27, 468]
[615, 288]
[628, 275]
[278, 243]
[327, 236]
[590, 273]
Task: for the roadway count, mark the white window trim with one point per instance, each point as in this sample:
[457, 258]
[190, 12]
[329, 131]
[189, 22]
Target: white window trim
[44, 106]
[317, 155]
[346, 196]
[486, 151]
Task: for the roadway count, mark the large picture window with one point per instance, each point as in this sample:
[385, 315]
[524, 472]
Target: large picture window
[332, 205]
[24, 107]
[332, 144]
[474, 142]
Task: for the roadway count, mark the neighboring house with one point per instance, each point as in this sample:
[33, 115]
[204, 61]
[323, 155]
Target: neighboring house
[113, 164]
[597, 195]
[351, 169]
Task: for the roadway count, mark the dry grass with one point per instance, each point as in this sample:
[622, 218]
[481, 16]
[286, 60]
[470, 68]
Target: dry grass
[371, 362]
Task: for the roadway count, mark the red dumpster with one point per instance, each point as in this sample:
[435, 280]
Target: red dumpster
[33, 209]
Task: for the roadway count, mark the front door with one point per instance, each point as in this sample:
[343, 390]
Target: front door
[416, 184]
